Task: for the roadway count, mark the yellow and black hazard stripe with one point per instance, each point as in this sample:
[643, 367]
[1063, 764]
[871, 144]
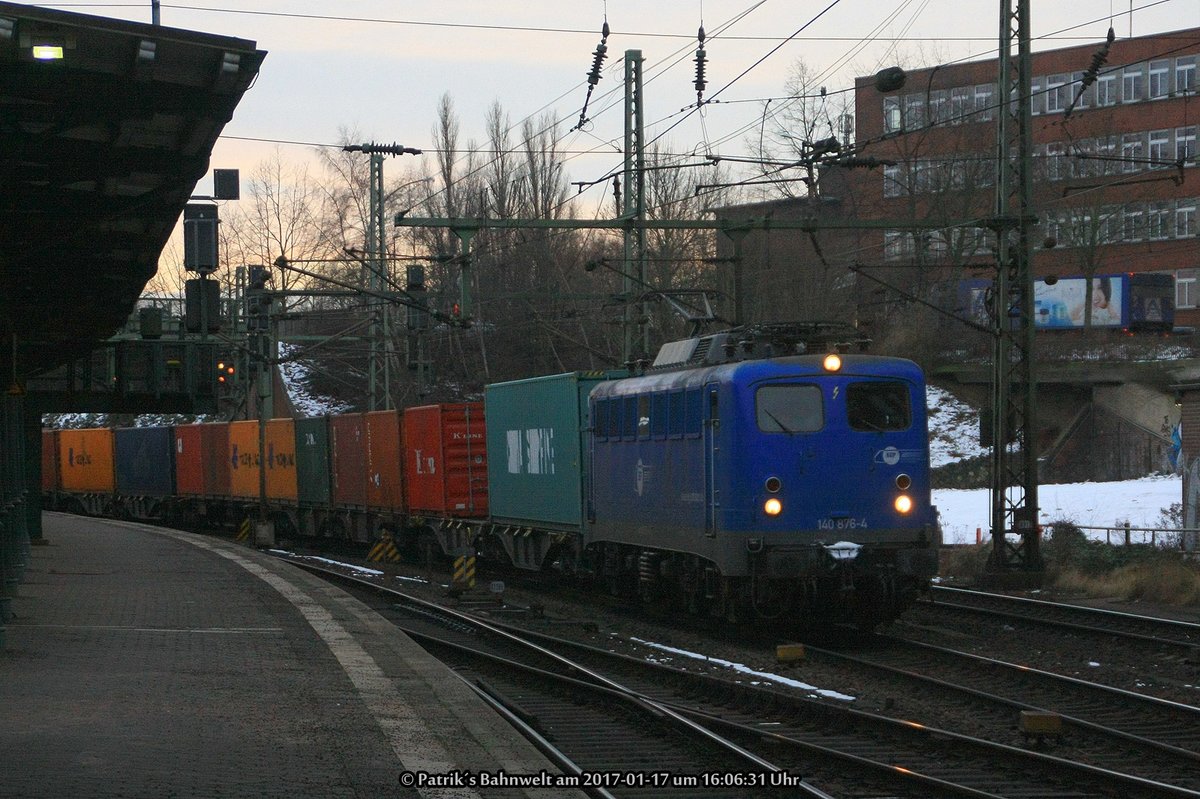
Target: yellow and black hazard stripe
[243, 533]
[464, 571]
[384, 549]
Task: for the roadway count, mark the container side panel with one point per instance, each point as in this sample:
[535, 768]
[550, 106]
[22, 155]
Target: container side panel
[423, 484]
[384, 483]
[85, 460]
[189, 460]
[464, 437]
[534, 443]
[348, 444]
[312, 460]
[243, 459]
[145, 463]
[49, 460]
[280, 457]
[214, 438]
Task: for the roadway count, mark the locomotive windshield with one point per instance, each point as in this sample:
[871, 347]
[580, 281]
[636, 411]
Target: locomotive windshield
[878, 405]
[789, 409]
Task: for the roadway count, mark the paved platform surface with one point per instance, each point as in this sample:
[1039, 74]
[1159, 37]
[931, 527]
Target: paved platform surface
[153, 663]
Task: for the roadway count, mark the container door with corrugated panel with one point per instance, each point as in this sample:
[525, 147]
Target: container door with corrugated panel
[348, 445]
[384, 485]
[281, 459]
[189, 460]
[145, 462]
[312, 461]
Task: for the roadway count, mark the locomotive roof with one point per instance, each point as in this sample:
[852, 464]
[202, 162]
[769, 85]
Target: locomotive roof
[799, 366]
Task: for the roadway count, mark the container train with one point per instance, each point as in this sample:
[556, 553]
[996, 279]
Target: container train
[733, 478]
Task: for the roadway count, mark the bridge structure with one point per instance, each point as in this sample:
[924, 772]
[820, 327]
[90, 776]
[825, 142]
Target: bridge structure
[106, 126]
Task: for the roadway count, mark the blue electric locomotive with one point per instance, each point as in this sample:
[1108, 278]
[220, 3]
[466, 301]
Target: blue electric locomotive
[789, 487]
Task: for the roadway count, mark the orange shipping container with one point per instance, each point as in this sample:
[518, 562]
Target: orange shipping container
[280, 450]
[384, 486]
[85, 460]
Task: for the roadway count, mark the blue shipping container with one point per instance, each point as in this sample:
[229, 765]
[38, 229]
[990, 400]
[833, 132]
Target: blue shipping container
[145, 464]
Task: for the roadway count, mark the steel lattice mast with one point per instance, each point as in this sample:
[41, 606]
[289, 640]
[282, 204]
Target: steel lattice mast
[1014, 428]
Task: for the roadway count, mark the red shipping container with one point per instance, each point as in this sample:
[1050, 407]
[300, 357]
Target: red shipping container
[384, 483]
[49, 461]
[445, 459]
[348, 451]
[202, 460]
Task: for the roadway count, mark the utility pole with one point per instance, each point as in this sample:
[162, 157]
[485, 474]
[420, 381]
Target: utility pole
[634, 209]
[376, 278]
[1014, 473]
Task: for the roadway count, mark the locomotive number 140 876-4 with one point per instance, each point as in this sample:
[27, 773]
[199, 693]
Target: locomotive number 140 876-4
[841, 524]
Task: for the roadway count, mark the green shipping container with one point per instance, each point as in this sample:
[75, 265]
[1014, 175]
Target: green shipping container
[312, 460]
[537, 453]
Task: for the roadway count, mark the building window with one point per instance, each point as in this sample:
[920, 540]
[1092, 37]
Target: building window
[1037, 98]
[1056, 162]
[1106, 89]
[892, 177]
[1133, 150]
[1160, 79]
[939, 106]
[960, 105]
[985, 102]
[1133, 84]
[891, 114]
[1185, 219]
[895, 244]
[1110, 225]
[1057, 88]
[1079, 97]
[914, 111]
[1132, 224]
[1159, 151]
[1107, 155]
[1185, 288]
[1185, 145]
[1158, 221]
[1185, 74]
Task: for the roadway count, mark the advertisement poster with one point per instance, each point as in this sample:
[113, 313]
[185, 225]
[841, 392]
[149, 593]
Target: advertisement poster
[1063, 304]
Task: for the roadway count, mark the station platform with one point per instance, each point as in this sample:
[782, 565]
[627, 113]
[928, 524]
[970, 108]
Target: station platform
[144, 662]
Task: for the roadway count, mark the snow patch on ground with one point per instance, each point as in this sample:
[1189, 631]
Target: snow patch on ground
[295, 375]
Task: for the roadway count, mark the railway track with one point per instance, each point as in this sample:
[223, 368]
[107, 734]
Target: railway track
[1144, 629]
[1105, 726]
[792, 734]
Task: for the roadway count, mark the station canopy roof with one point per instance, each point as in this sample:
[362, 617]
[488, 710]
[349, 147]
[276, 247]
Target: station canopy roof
[105, 128]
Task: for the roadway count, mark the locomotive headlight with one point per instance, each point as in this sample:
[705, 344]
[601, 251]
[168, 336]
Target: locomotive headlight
[772, 507]
[832, 362]
[903, 503]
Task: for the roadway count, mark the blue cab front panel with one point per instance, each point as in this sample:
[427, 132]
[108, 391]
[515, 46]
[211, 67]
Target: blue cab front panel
[703, 489]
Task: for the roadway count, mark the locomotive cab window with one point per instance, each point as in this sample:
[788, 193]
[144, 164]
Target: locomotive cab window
[789, 409]
[878, 406]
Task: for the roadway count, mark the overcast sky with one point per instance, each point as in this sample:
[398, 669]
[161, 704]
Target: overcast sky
[378, 67]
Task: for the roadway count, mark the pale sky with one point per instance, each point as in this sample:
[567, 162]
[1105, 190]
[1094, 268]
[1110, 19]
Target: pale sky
[381, 73]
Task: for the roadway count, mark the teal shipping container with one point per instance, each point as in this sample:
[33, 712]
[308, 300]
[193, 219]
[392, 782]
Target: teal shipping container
[312, 461]
[537, 452]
